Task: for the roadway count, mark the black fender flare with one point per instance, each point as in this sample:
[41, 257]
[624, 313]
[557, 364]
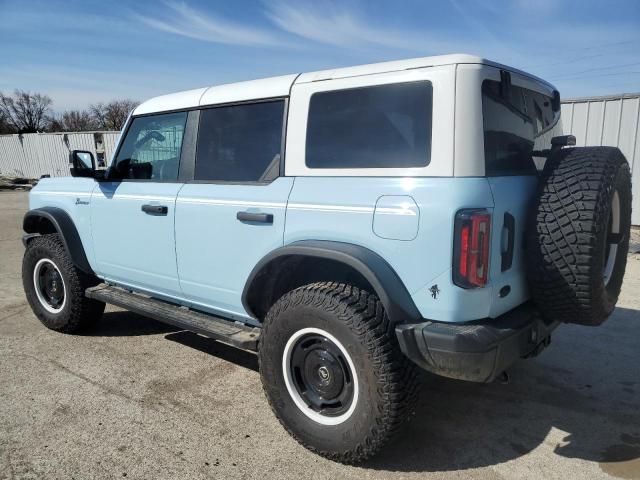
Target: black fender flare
[386, 283]
[65, 228]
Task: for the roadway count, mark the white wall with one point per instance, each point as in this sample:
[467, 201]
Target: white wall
[612, 121]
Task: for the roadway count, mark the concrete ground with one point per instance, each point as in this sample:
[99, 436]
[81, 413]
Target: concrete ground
[137, 399]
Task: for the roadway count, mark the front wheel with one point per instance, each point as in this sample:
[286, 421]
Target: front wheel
[333, 372]
[55, 287]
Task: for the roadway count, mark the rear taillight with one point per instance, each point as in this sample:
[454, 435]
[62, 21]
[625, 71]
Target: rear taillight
[472, 233]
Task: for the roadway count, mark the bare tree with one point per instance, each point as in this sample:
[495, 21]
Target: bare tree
[5, 126]
[112, 115]
[73, 121]
[26, 112]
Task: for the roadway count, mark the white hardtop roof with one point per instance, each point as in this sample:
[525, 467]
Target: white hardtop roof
[281, 86]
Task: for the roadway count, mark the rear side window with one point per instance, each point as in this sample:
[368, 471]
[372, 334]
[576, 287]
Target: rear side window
[515, 122]
[384, 126]
[240, 143]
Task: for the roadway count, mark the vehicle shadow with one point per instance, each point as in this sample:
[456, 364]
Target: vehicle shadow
[217, 349]
[123, 323]
[126, 324]
[582, 396]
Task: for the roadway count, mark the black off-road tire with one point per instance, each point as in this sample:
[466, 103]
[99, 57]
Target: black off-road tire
[386, 379]
[78, 311]
[568, 237]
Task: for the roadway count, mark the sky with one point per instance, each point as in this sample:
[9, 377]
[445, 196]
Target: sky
[82, 52]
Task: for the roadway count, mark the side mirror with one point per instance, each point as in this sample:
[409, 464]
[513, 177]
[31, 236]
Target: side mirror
[555, 102]
[82, 164]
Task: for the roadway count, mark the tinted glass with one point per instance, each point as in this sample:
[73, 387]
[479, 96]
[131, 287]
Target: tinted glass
[515, 124]
[385, 126]
[151, 148]
[240, 143]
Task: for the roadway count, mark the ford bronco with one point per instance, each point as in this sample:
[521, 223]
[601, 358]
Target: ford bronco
[350, 226]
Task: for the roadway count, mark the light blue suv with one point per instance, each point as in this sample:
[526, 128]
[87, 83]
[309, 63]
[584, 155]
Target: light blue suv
[347, 225]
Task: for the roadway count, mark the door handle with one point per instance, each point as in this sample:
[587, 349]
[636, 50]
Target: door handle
[255, 217]
[155, 209]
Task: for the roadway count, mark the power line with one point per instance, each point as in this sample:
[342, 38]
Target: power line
[573, 60]
[604, 45]
[604, 75]
[596, 69]
[584, 57]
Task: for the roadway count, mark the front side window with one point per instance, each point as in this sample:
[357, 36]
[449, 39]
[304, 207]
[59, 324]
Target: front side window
[151, 148]
[240, 143]
[382, 126]
[515, 121]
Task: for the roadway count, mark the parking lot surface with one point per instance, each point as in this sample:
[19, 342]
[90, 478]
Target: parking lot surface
[137, 399]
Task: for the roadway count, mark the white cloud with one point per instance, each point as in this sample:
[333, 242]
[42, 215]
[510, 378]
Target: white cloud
[329, 24]
[188, 22]
[322, 22]
[75, 88]
[538, 7]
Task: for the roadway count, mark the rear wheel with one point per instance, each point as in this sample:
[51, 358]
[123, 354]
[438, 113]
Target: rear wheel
[333, 372]
[578, 235]
[55, 287]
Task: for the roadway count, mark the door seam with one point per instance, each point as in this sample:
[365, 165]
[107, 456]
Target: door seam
[175, 239]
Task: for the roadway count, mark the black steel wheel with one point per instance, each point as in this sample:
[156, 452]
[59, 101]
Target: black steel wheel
[320, 376]
[49, 285]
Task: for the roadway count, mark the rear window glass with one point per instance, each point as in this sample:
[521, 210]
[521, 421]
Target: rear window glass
[384, 126]
[515, 124]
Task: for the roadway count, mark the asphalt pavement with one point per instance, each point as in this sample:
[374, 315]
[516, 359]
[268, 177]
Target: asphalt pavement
[137, 399]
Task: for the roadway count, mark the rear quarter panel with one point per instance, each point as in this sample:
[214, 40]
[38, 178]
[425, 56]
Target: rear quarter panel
[342, 209]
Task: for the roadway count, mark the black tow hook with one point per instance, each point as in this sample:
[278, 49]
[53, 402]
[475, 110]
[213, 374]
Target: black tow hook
[503, 378]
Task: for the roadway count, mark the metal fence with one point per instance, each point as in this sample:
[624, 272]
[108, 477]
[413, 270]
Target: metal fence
[32, 155]
[612, 121]
[168, 147]
[35, 154]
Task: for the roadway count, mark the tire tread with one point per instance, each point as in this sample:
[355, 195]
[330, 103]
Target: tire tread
[82, 311]
[565, 233]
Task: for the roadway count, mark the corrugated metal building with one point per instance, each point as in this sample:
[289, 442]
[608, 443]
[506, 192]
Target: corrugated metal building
[35, 154]
[612, 121]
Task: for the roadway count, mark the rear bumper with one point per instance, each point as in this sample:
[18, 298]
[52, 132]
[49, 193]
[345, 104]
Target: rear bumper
[476, 351]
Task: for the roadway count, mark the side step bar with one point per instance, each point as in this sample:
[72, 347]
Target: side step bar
[236, 334]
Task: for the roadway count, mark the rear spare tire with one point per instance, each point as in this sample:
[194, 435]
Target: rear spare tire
[578, 234]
